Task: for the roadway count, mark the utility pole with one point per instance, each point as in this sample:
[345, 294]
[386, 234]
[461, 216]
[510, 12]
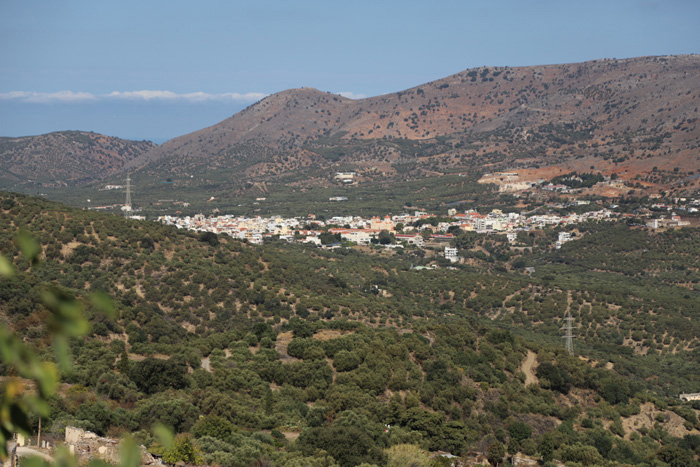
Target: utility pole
[568, 334]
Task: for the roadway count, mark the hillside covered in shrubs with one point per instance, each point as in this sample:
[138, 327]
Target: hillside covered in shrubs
[295, 356]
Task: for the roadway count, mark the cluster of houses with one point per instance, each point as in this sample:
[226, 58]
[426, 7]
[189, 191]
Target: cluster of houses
[663, 222]
[690, 206]
[405, 229]
[363, 231]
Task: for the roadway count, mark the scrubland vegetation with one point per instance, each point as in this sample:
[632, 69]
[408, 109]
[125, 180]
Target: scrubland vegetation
[290, 355]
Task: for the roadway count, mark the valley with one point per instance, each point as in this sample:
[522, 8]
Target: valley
[324, 281]
[632, 120]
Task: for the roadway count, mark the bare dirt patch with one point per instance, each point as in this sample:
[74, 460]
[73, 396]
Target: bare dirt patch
[275, 387]
[528, 367]
[328, 334]
[673, 423]
[139, 358]
[283, 340]
[291, 435]
[67, 248]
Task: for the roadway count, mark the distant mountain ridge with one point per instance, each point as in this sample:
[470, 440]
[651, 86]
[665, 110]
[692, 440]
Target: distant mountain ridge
[623, 116]
[64, 158]
[636, 119]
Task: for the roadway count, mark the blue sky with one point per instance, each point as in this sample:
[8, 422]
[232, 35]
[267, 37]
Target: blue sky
[153, 69]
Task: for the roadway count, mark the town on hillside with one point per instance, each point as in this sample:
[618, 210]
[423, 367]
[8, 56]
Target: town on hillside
[417, 229]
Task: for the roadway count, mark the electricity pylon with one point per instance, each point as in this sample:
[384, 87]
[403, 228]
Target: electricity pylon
[568, 329]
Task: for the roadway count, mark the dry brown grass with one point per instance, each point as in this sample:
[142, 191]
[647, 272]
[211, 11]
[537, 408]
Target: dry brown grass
[328, 334]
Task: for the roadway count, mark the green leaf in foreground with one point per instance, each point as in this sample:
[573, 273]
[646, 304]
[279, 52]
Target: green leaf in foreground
[29, 246]
[164, 434]
[129, 453]
[103, 303]
[66, 313]
[6, 269]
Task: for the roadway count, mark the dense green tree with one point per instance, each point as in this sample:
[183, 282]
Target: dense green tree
[547, 446]
[346, 361]
[169, 410]
[183, 450]
[210, 238]
[557, 378]
[96, 416]
[497, 451]
[385, 237]
[677, 457]
[519, 430]
[153, 375]
[147, 244]
[328, 238]
[124, 365]
[615, 391]
[585, 455]
[346, 444]
[213, 426]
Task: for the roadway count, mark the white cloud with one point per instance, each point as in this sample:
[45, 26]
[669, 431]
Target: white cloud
[352, 95]
[148, 95]
[143, 95]
[247, 97]
[47, 97]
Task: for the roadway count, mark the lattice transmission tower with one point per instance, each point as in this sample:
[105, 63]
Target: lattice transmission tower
[127, 205]
[568, 336]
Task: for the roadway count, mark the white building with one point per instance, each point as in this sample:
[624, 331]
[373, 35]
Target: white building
[416, 240]
[345, 177]
[361, 237]
[451, 254]
[563, 238]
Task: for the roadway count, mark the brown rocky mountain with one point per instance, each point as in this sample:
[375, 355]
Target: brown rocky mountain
[636, 117]
[64, 158]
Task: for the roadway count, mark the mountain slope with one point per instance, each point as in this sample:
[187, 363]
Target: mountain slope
[622, 116]
[272, 352]
[64, 158]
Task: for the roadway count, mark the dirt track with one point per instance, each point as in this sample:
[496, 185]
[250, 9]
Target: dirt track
[528, 367]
